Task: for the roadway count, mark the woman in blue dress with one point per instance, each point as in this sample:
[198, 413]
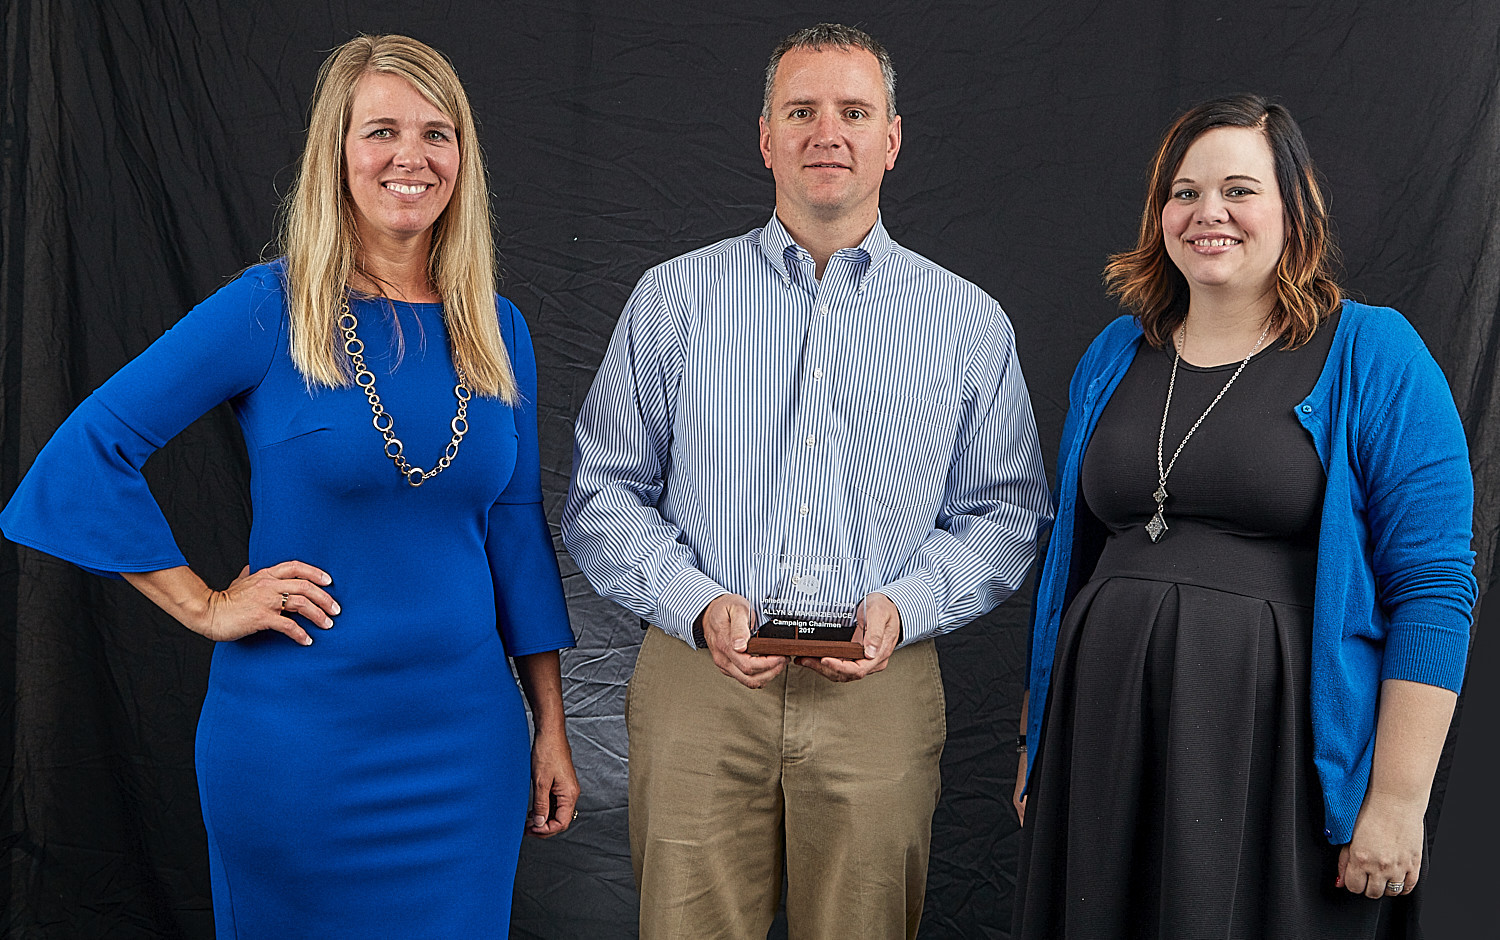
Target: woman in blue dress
[363, 756]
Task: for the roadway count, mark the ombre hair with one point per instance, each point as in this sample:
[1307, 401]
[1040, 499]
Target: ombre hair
[321, 243]
[1147, 282]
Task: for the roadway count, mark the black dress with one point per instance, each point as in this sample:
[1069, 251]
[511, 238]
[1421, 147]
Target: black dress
[1174, 793]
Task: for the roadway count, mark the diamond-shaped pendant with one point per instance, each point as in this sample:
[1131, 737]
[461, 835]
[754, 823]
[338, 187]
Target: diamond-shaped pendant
[1156, 526]
[1160, 495]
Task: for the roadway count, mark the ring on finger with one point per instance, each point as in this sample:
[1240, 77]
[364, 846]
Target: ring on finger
[1395, 887]
[284, 596]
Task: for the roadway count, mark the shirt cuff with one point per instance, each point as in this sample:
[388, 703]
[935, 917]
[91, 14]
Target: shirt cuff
[683, 600]
[918, 609]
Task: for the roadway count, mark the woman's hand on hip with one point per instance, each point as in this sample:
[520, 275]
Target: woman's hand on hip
[255, 601]
[260, 600]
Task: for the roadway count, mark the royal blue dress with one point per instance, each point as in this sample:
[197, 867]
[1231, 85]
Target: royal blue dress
[374, 784]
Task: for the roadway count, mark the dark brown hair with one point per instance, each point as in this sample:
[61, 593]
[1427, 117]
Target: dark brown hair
[1147, 282]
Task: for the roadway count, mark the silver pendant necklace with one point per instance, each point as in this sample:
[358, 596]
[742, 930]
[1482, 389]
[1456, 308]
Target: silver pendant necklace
[1157, 527]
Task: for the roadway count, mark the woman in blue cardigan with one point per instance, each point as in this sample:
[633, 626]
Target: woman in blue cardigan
[1254, 615]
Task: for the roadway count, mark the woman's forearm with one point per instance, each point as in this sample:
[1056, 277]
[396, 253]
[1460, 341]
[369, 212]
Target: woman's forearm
[1409, 735]
[1385, 855]
[554, 783]
[541, 680]
[253, 602]
[178, 591]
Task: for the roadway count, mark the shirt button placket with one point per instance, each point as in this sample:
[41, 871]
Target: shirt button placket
[811, 404]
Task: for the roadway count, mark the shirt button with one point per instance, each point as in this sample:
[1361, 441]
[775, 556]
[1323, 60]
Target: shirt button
[809, 440]
[1307, 409]
[817, 373]
[824, 310]
[803, 509]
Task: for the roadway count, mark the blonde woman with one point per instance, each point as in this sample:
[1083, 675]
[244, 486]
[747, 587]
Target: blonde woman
[363, 756]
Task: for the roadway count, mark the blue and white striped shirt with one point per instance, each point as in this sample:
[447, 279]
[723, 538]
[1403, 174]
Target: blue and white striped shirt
[745, 406]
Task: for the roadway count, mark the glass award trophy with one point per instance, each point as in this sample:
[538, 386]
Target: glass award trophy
[808, 605]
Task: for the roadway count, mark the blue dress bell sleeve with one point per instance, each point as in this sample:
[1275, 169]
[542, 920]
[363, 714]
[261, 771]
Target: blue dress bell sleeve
[84, 498]
[530, 610]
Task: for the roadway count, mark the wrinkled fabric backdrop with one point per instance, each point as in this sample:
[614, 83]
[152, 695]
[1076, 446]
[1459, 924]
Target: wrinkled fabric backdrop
[145, 146]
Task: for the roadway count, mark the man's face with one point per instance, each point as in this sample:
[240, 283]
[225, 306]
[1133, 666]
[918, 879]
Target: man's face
[827, 140]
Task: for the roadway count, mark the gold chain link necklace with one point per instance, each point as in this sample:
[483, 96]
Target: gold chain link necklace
[383, 421]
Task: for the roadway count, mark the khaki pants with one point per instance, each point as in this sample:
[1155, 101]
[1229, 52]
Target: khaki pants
[839, 780]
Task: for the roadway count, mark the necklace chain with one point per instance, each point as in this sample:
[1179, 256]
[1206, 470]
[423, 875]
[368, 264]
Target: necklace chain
[383, 421]
[1158, 524]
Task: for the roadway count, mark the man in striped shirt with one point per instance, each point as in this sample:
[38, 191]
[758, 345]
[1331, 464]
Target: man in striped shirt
[809, 384]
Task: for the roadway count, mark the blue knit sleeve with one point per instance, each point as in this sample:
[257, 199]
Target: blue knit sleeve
[529, 605]
[1419, 497]
[84, 499]
[1103, 360]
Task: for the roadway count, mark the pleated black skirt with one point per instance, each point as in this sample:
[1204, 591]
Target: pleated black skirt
[1174, 793]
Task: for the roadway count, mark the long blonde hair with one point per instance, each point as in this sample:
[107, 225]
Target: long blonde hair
[321, 243]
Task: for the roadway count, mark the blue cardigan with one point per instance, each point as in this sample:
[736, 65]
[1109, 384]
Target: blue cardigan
[1395, 586]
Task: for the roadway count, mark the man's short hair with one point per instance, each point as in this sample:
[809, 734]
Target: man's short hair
[844, 37]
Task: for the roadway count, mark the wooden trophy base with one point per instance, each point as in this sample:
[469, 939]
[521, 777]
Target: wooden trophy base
[816, 649]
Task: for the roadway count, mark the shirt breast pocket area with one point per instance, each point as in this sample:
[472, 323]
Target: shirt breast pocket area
[900, 448]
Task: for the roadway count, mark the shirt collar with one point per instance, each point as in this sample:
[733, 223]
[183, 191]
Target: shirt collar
[779, 247]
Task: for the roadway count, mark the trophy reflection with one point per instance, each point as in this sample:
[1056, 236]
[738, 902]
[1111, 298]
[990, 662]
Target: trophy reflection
[808, 605]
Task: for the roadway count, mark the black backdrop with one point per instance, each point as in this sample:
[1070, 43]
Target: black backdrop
[144, 146]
